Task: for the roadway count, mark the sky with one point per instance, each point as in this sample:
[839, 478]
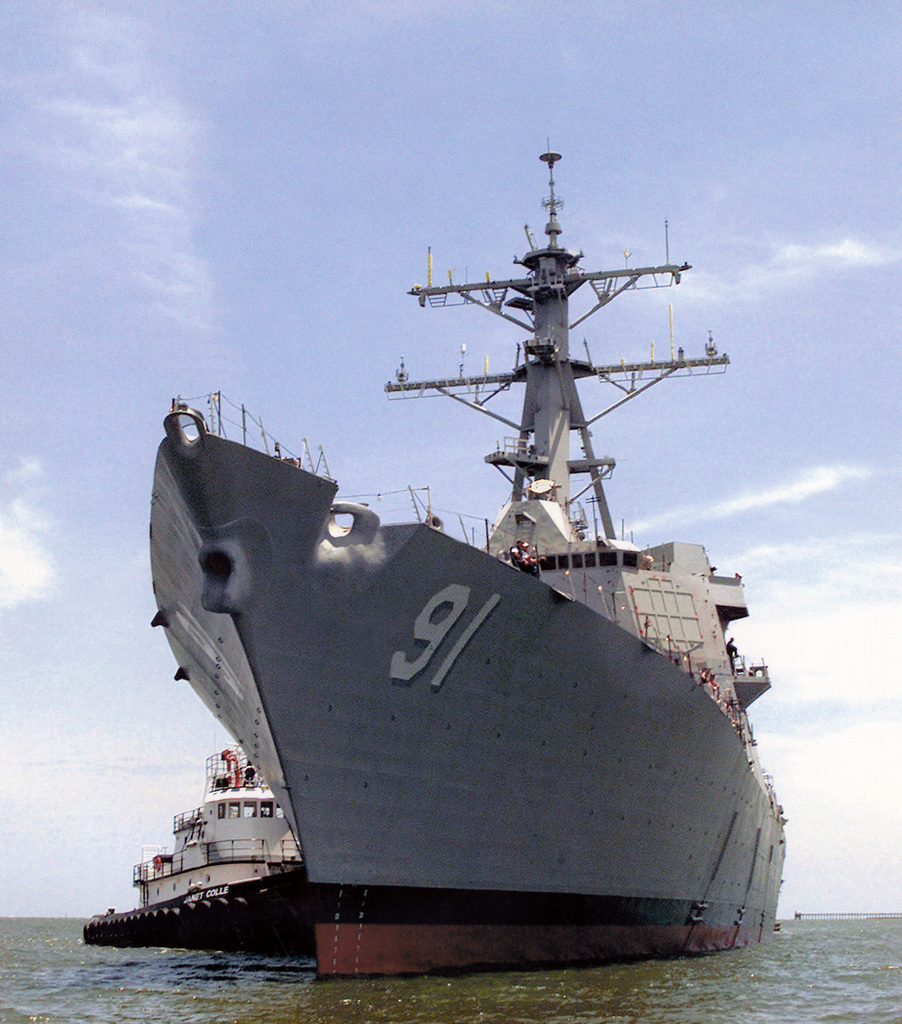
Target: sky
[237, 197]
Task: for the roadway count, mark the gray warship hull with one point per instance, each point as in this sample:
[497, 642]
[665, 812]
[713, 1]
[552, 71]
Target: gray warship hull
[485, 767]
[544, 787]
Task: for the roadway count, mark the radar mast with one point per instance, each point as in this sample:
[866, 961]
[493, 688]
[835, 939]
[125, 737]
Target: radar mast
[537, 460]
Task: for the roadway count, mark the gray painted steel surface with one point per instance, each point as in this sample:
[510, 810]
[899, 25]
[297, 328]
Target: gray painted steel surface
[435, 718]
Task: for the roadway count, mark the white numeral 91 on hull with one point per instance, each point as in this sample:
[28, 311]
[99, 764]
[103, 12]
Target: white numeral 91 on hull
[432, 633]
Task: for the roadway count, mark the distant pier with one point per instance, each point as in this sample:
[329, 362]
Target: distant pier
[841, 917]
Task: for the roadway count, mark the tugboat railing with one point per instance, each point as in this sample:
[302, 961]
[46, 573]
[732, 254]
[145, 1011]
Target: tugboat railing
[187, 819]
[223, 851]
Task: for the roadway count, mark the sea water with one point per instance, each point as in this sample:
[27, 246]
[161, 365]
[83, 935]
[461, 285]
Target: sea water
[826, 971]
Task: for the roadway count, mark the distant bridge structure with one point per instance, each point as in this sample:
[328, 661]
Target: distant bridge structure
[843, 917]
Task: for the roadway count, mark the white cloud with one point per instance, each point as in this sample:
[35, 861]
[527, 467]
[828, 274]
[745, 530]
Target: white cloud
[825, 616]
[838, 788]
[847, 253]
[838, 652]
[26, 570]
[844, 554]
[788, 265]
[814, 481]
[106, 794]
[28, 470]
[129, 146]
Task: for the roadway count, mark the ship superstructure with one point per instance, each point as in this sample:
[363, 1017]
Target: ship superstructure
[485, 767]
[675, 603]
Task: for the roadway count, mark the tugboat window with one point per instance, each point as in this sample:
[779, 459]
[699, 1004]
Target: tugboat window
[234, 810]
[250, 808]
[266, 809]
[221, 810]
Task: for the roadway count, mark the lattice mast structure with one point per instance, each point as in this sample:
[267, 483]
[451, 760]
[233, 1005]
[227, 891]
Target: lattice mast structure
[537, 461]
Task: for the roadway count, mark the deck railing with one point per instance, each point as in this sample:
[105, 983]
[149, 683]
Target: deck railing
[188, 819]
[228, 851]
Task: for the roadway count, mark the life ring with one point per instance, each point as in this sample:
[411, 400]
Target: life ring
[232, 767]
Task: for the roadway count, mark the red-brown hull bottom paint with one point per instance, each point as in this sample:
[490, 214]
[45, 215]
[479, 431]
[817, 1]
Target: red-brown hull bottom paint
[356, 930]
[391, 949]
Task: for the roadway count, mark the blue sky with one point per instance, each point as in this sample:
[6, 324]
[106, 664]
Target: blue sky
[238, 196]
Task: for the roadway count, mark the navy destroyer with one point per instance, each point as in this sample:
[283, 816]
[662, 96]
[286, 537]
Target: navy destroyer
[529, 752]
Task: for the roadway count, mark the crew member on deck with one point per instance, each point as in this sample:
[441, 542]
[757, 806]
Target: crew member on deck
[523, 559]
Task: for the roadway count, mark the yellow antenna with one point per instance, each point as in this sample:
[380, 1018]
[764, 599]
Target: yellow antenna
[429, 271]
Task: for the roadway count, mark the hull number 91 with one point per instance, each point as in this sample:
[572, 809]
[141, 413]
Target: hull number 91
[432, 627]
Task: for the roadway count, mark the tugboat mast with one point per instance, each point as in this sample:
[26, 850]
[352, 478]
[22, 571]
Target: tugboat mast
[539, 456]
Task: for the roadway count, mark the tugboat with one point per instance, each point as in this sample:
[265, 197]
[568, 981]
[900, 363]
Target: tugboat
[486, 768]
[229, 882]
